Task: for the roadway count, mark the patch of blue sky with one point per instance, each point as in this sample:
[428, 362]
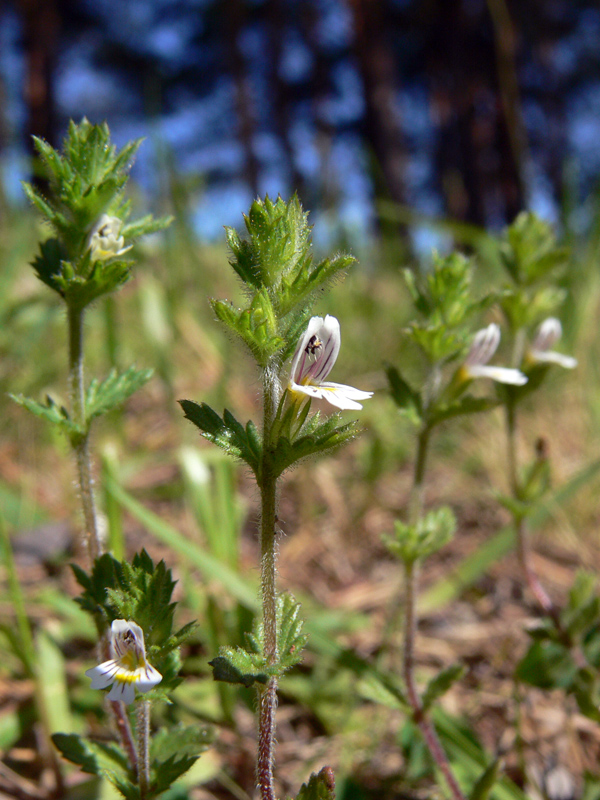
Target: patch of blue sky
[297, 61]
[541, 197]
[346, 104]
[581, 119]
[14, 168]
[414, 110]
[302, 136]
[81, 89]
[12, 71]
[335, 26]
[268, 148]
[223, 205]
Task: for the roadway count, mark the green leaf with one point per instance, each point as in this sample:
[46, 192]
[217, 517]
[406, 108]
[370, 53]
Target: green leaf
[255, 325]
[290, 639]
[239, 666]
[439, 685]
[248, 666]
[405, 397]
[99, 758]
[144, 226]
[315, 437]
[113, 391]
[320, 786]
[226, 433]
[485, 784]
[57, 415]
[165, 773]
[466, 405]
[529, 251]
[413, 542]
[548, 665]
[180, 740]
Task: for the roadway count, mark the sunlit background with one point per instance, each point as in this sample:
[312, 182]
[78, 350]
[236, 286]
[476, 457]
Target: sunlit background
[472, 109]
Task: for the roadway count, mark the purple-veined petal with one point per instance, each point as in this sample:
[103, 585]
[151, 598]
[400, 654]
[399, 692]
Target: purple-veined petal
[123, 691]
[499, 374]
[310, 368]
[148, 679]
[103, 675]
[485, 344]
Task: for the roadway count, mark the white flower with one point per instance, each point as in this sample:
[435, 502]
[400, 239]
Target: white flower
[484, 346]
[128, 669]
[105, 241]
[313, 360]
[547, 335]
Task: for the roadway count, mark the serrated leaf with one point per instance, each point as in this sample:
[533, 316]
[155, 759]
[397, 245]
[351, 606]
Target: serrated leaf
[97, 758]
[439, 685]
[180, 740]
[290, 639]
[320, 786]
[238, 666]
[57, 415]
[466, 405]
[145, 226]
[114, 390]
[226, 433]
[164, 774]
[314, 438]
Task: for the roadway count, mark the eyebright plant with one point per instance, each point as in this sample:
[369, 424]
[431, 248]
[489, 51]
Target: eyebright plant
[453, 356]
[85, 258]
[281, 282]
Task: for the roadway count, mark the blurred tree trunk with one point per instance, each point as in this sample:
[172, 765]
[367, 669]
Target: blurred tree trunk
[235, 13]
[379, 72]
[41, 26]
[470, 61]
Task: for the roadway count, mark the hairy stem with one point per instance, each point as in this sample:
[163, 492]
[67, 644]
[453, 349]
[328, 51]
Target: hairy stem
[410, 625]
[428, 731]
[143, 740]
[523, 550]
[268, 489]
[123, 727]
[81, 442]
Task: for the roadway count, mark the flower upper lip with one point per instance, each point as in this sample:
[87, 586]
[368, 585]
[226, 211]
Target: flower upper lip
[547, 335]
[485, 344]
[313, 360]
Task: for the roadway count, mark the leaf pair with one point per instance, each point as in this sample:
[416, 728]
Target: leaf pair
[249, 666]
[101, 397]
[173, 752]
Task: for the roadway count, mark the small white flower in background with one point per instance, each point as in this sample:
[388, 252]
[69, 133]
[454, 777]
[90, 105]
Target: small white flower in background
[313, 360]
[484, 346]
[128, 669]
[105, 240]
[547, 335]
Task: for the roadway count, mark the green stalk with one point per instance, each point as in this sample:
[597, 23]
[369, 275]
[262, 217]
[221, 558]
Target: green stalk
[80, 442]
[411, 568]
[520, 522]
[143, 740]
[268, 564]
